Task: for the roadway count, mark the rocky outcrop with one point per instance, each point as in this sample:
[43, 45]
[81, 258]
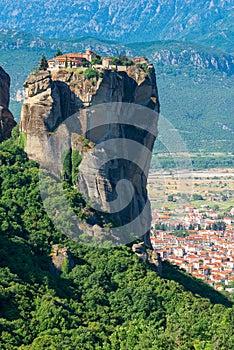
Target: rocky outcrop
[150, 256]
[140, 250]
[193, 56]
[52, 97]
[61, 260]
[7, 121]
[155, 260]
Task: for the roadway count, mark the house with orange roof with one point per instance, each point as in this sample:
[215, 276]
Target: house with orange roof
[179, 251]
[199, 275]
[107, 62]
[205, 270]
[230, 264]
[157, 243]
[73, 60]
[197, 264]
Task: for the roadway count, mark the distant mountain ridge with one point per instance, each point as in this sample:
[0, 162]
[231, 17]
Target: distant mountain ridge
[183, 54]
[162, 53]
[208, 22]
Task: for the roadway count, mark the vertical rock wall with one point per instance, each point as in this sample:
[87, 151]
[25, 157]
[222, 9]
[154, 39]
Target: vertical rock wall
[52, 98]
[7, 121]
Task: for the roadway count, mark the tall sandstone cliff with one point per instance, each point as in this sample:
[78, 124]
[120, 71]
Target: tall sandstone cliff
[7, 121]
[53, 97]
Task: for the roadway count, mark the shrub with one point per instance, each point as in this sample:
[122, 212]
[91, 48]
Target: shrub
[22, 140]
[96, 60]
[79, 71]
[90, 73]
[66, 161]
[124, 60]
[76, 159]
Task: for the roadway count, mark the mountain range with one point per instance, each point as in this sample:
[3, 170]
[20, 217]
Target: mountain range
[208, 22]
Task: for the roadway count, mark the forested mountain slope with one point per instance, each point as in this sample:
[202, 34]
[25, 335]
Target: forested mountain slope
[106, 299]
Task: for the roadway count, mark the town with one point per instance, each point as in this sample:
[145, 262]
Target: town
[198, 238]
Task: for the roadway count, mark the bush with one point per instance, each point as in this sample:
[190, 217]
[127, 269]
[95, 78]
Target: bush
[66, 161]
[76, 159]
[22, 140]
[124, 60]
[86, 64]
[96, 60]
[90, 73]
[197, 197]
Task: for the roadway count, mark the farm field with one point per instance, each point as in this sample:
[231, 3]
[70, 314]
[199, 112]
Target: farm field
[213, 187]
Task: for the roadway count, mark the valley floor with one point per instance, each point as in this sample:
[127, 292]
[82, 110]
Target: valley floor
[193, 223]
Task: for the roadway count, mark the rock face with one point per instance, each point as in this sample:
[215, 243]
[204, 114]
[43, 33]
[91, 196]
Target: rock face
[155, 259]
[52, 97]
[140, 250]
[7, 121]
[60, 257]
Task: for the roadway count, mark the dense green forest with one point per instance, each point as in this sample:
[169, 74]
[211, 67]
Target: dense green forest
[107, 300]
[194, 161]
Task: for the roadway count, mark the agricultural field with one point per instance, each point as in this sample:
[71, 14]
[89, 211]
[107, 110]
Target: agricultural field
[213, 188]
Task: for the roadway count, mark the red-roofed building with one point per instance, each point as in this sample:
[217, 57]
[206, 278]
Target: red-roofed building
[71, 60]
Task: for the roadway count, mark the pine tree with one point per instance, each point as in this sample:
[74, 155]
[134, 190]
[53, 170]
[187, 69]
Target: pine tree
[43, 64]
[59, 53]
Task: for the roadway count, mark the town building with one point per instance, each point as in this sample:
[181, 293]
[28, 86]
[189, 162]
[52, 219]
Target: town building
[205, 253]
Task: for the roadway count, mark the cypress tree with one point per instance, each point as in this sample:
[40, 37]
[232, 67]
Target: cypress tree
[43, 64]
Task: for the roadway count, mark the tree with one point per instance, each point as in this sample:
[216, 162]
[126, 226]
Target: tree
[115, 60]
[43, 64]
[197, 197]
[191, 227]
[125, 61]
[170, 198]
[58, 53]
[76, 159]
[65, 266]
[96, 60]
[86, 64]
[67, 165]
[90, 73]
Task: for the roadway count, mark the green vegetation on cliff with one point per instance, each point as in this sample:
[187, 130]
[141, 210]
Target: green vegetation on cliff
[108, 300]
